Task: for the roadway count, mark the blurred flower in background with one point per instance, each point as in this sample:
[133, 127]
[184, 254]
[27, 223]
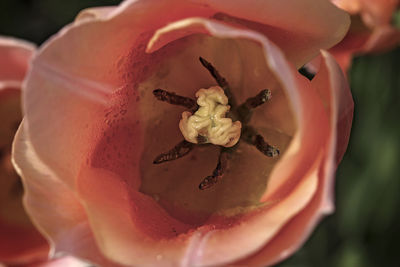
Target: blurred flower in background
[20, 242]
[372, 29]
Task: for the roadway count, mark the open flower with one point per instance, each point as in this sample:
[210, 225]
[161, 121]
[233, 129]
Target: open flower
[20, 242]
[371, 29]
[109, 176]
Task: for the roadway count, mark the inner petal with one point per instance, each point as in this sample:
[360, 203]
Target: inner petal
[175, 184]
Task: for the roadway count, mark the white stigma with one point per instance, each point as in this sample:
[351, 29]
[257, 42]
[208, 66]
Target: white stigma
[209, 120]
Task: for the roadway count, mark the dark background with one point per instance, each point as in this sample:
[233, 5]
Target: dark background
[364, 230]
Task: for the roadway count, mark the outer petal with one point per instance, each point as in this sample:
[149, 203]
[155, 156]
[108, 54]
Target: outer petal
[66, 261]
[298, 27]
[382, 39]
[352, 44]
[54, 209]
[14, 57]
[378, 12]
[335, 93]
[351, 6]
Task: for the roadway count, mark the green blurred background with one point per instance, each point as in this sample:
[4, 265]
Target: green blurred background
[365, 229]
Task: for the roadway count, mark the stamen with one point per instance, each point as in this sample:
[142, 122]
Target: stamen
[265, 148]
[175, 99]
[250, 136]
[244, 111]
[218, 172]
[220, 80]
[258, 100]
[180, 150]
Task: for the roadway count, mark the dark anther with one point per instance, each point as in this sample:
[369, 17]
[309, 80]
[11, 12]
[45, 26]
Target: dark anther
[220, 80]
[259, 99]
[244, 111]
[250, 136]
[264, 147]
[175, 99]
[180, 150]
[218, 172]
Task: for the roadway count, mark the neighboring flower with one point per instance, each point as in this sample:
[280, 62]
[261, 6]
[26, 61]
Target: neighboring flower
[371, 29]
[93, 127]
[20, 242]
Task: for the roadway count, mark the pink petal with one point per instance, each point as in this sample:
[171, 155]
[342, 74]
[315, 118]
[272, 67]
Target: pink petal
[335, 92]
[376, 13]
[382, 39]
[15, 55]
[351, 6]
[95, 13]
[65, 261]
[54, 208]
[284, 23]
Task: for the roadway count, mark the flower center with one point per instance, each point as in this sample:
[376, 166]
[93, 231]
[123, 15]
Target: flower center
[206, 123]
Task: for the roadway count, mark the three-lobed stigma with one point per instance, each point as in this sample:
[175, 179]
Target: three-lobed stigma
[209, 120]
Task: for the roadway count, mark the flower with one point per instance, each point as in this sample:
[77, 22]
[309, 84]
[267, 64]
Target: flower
[20, 242]
[371, 29]
[93, 126]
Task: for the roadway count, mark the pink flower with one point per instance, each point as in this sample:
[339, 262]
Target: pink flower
[371, 30]
[20, 242]
[92, 129]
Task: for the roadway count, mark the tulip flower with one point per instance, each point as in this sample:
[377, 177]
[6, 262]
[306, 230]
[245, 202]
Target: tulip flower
[371, 29]
[20, 242]
[180, 133]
